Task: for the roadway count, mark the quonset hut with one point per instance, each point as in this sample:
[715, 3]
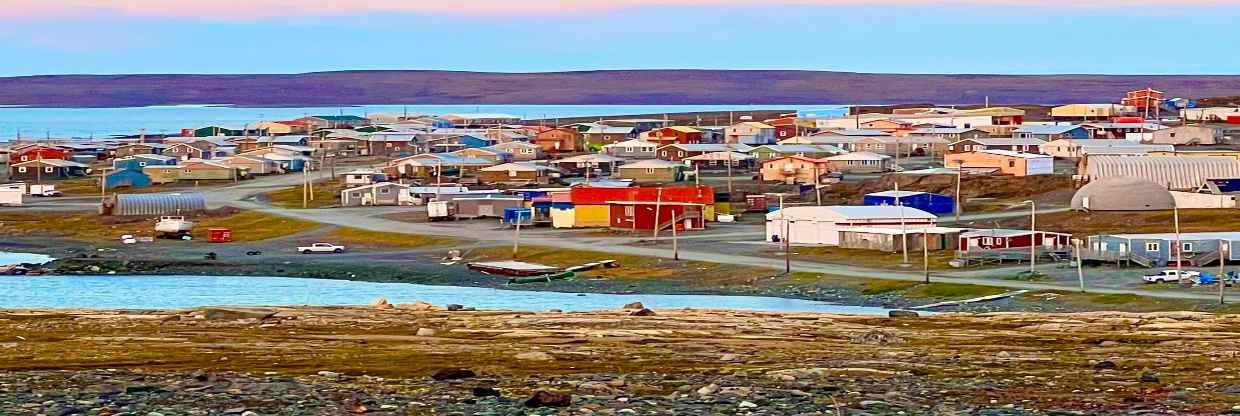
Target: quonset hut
[171, 203]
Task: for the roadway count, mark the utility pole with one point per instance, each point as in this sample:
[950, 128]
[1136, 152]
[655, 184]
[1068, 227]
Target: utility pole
[1033, 236]
[903, 230]
[1179, 246]
[658, 205]
[1080, 270]
[1222, 260]
[516, 237]
[675, 245]
[959, 206]
[305, 192]
[925, 253]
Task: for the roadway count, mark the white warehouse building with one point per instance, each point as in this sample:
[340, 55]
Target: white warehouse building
[815, 225]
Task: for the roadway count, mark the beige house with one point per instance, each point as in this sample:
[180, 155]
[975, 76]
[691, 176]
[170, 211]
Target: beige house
[516, 172]
[193, 170]
[1091, 111]
[652, 170]
[860, 162]
[521, 151]
[794, 169]
[1186, 135]
[751, 133]
[1007, 162]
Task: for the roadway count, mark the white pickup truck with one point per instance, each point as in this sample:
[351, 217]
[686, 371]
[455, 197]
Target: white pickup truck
[1171, 276]
[320, 248]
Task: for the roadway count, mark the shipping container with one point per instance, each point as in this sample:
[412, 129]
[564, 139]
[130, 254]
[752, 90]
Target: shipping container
[219, 235]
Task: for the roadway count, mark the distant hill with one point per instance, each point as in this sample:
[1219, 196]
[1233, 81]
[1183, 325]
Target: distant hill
[590, 87]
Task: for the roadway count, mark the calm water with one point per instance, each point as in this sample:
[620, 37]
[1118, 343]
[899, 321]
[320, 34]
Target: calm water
[101, 122]
[152, 292]
[22, 258]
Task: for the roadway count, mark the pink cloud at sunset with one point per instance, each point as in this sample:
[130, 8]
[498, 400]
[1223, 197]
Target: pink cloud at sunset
[240, 9]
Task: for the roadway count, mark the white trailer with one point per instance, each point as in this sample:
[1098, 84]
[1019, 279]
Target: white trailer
[13, 194]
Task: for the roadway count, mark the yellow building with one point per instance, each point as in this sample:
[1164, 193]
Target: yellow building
[1091, 111]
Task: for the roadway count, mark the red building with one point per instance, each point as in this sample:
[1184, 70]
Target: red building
[585, 195]
[646, 215]
[1146, 100]
[41, 152]
[999, 239]
[674, 135]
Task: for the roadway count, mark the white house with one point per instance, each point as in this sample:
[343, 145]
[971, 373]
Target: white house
[817, 225]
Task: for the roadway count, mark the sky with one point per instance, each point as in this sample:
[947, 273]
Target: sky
[40, 37]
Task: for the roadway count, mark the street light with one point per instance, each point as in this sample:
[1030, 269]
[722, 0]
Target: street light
[1033, 231]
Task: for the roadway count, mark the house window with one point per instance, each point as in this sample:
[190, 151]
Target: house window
[1151, 246]
[629, 211]
[1011, 163]
[383, 190]
[1186, 247]
[650, 170]
[628, 150]
[49, 169]
[986, 241]
[680, 154]
[21, 169]
[142, 164]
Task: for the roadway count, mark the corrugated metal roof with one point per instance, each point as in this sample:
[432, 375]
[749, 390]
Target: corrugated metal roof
[849, 212]
[159, 203]
[1046, 129]
[1175, 172]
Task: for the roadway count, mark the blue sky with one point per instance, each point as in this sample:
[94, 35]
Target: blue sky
[899, 38]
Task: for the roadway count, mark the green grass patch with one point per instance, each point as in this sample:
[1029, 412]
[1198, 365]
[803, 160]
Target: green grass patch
[254, 226]
[356, 237]
[1115, 299]
[326, 193]
[879, 287]
[952, 291]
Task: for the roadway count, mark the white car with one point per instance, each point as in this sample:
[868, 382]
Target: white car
[1171, 276]
[320, 248]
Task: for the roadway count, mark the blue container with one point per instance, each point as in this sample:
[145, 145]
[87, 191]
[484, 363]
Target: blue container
[512, 215]
[933, 203]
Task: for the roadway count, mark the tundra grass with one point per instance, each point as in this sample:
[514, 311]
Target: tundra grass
[326, 193]
[356, 237]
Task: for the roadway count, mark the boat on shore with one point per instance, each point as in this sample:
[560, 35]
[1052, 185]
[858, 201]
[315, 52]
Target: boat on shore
[513, 268]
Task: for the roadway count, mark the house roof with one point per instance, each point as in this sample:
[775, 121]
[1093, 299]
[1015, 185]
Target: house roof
[801, 158]
[517, 166]
[652, 164]
[592, 157]
[1006, 141]
[712, 147]
[1001, 232]
[859, 156]
[632, 143]
[755, 124]
[1039, 129]
[1010, 153]
[800, 148]
[60, 163]
[377, 185]
[728, 156]
[600, 129]
[853, 133]
[896, 194]
[684, 129]
[942, 130]
[849, 212]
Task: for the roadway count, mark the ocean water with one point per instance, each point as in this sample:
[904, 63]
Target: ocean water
[102, 122]
[22, 258]
[155, 292]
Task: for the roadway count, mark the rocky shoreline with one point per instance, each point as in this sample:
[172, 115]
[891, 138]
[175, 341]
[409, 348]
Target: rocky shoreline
[421, 359]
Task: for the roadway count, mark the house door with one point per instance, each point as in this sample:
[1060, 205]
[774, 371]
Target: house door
[1048, 242]
[1123, 248]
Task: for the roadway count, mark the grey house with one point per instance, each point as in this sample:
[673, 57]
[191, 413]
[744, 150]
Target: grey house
[1157, 250]
[383, 193]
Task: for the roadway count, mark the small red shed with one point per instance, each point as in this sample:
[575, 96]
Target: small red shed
[643, 215]
[999, 239]
[219, 235]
